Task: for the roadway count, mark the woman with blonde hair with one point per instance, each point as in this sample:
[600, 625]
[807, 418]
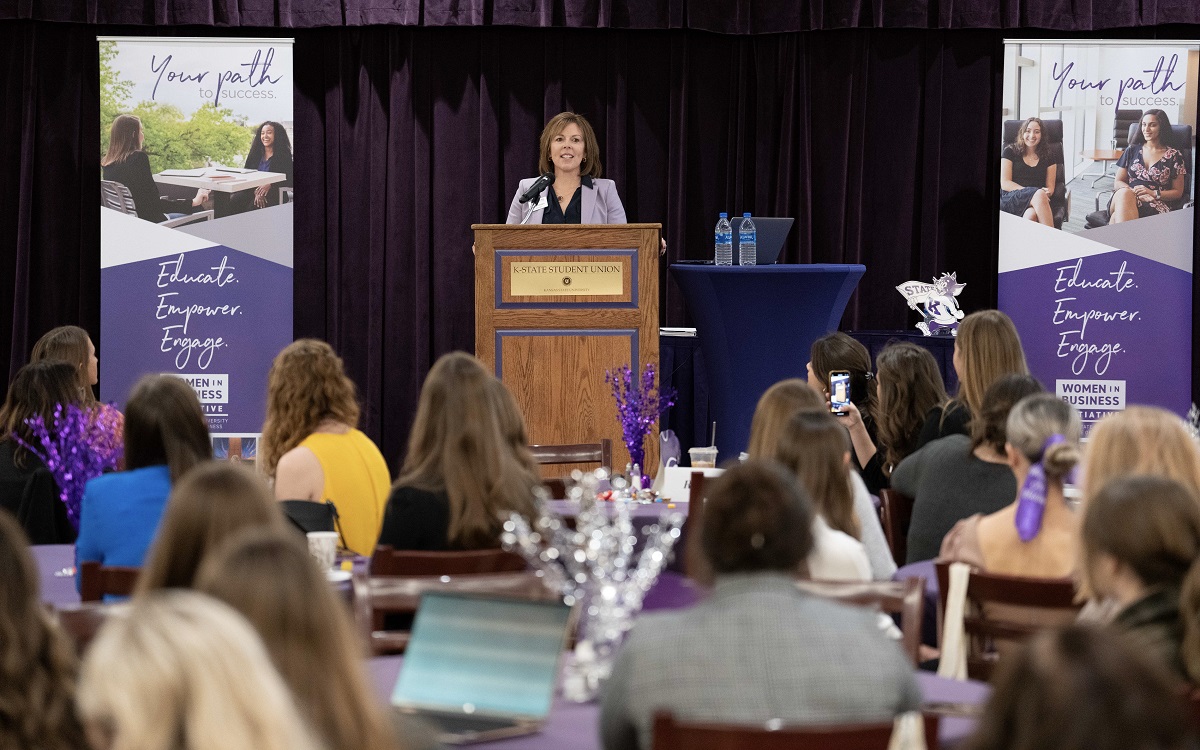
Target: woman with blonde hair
[182, 671]
[312, 448]
[816, 449]
[1140, 440]
[775, 408]
[467, 463]
[210, 504]
[1036, 535]
[269, 577]
[37, 661]
[987, 347]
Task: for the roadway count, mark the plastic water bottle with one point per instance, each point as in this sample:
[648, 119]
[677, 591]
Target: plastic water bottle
[724, 241]
[747, 242]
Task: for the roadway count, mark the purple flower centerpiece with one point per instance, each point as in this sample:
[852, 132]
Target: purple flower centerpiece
[84, 443]
[639, 404]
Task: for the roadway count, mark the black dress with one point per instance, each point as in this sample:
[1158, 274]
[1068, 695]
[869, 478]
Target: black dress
[416, 520]
[134, 173]
[31, 494]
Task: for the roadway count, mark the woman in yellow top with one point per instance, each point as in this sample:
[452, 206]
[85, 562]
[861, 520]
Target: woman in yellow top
[311, 447]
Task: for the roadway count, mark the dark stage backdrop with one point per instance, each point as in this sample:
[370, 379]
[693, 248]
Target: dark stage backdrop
[879, 141]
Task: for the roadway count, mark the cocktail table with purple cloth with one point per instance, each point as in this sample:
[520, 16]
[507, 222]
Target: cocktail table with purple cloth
[926, 570]
[576, 725]
[51, 559]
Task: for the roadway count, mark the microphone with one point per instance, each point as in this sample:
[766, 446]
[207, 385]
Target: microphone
[537, 187]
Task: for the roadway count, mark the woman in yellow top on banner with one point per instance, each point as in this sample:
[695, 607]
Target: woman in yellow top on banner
[312, 447]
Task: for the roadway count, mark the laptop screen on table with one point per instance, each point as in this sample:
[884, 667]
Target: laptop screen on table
[487, 655]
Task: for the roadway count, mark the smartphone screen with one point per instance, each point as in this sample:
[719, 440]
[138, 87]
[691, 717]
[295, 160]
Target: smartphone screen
[839, 391]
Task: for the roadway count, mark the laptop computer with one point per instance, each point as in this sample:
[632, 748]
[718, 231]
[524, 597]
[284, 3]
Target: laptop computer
[770, 234]
[479, 668]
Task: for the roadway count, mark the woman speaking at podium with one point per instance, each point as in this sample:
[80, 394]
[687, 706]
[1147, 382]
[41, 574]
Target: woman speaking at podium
[570, 190]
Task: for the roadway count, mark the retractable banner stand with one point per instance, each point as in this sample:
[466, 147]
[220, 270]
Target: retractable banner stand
[1096, 271]
[196, 221]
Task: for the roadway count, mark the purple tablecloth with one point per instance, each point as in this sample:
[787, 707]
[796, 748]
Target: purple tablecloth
[576, 725]
[51, 559]
[924, 569]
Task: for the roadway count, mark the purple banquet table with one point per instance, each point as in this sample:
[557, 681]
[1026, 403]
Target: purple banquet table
[576, 725]
[52, 558]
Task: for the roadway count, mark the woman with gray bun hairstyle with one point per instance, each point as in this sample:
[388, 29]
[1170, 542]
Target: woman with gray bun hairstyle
[1036, 534]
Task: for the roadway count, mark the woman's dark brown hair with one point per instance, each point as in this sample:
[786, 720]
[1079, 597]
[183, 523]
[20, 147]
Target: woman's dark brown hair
[211, 503]
[36, 391]
[990, 426]
[591, 147]
[38, 667]
[757, 518]
[124, 138]
[1082, 688]
[838, 351]
[909, 386]
[165, 425]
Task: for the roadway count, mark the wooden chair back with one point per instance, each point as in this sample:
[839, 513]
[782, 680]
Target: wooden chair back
[895, 514]
[379, 596]
[97, 581]
[392, 562]
[906, 598]
[670, 734]
[988, 626]
[83, 621]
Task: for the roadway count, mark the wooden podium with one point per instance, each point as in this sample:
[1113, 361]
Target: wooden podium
[555, 307]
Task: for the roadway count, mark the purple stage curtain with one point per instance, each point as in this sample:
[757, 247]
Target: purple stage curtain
[723, 16]
[881, 143]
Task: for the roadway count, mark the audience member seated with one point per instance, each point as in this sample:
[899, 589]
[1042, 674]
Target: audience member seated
[1036, 536]
[73, 345]
[269, 577]
[165, 436]
[182, 671]
[815, 448]
[956, 477]
[27, 489]
[757, 649]
[909, 385]
[1140, 543]
[1138, 440]
[838, 351]
[37, 661]
[987, 348]
[213, 502]
[1081, 688]
[313, 449]
[780, 402]
[468, 463]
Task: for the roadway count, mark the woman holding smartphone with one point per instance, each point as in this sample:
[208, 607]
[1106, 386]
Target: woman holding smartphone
[836, 358]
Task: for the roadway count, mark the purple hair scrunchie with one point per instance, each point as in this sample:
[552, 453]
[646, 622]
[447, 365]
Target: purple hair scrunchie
[1031, 503]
